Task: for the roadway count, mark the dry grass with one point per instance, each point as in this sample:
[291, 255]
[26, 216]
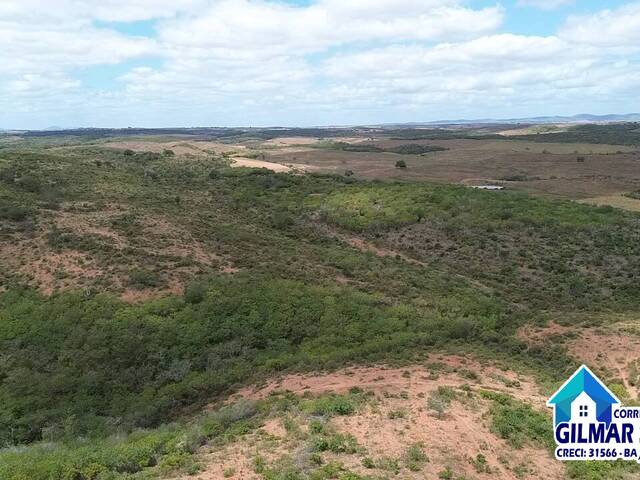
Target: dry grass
[618, 201]
[545, 168]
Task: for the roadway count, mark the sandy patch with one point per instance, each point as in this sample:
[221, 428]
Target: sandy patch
[618, 201]
[535, 129]
[253, 163]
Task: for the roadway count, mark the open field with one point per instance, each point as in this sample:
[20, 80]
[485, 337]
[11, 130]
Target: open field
[544, 168]
[301, 305]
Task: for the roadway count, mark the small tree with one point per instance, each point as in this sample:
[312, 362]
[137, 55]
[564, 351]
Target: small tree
[401, 164]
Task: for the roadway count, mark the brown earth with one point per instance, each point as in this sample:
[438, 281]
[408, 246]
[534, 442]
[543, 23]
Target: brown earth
[155, 242]
[544, 168]
[399, 417]
[252, 163]
[612, 350]
[535, 129]
[618, 201]
[276, 167]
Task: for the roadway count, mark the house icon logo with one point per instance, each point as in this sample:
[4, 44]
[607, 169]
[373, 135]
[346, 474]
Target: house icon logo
[590, 422]
[583, 399]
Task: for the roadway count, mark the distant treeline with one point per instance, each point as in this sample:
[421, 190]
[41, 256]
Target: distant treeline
[612, 134]
[408, 149]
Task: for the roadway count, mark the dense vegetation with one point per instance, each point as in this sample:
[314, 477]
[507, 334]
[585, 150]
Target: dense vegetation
[415, 149]
[459, 268]
[612, 134]
[140, 454]
[635, 194]
[530, 250]
[519, 424]
[146, 454]
[440, 134]
[75, 366]
[405, 149]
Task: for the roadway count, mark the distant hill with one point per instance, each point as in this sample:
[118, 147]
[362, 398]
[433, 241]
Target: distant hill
[581, 118]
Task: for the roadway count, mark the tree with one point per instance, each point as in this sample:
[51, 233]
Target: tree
[401, 164]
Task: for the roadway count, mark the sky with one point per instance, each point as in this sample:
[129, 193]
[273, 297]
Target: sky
[171, 63]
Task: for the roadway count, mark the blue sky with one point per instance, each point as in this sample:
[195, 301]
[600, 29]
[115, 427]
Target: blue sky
[117, 63]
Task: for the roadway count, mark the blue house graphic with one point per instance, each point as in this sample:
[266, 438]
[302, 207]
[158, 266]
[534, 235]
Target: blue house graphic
[582, 398]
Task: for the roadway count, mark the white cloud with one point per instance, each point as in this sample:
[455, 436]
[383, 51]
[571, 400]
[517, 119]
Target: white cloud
[266, 61]
[67, 11]
[238, 25]
[545, 4]
[614, 28]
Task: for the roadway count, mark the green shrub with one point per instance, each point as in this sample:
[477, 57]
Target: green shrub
[336, 443]
[401, 164]
[140, 279]
[518, 423]
[330, 405]
[416, 149]
[13, 212]
[415, 458]
[440, 400]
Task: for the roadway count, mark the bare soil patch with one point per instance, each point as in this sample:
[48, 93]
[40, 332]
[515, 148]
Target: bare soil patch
[535, 130]
[106, 243]
[613, 351]
[47, 270]
[276, 167]
[253, 163]
[615, 355]
[390, 379]
[399, 417]
[618, 201]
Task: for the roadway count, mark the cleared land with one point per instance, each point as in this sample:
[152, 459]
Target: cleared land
[571, 170]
